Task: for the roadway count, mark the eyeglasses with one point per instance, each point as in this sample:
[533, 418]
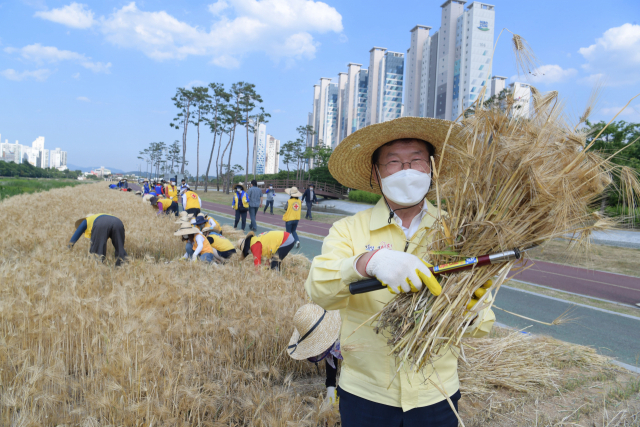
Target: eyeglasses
[394, 166]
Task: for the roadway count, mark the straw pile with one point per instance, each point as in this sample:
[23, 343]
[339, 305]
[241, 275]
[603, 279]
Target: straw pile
[512, 183]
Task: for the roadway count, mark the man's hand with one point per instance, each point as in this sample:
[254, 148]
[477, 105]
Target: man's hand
[194, 257]
[401, 272]
[479, 293]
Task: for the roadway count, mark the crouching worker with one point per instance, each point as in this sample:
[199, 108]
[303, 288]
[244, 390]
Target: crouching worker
[204, 221]
[274, 245]
[223, 249]
[316, 338]
[98, 229]
[197, 246]
[167, 206]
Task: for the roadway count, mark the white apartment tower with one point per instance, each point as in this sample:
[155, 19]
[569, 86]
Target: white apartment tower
[272, 158]
[260, 153]
[456, 61]
[330, 129]
[350, 99]
[413, 70]
[390, 87]
[522, 99]
[498, 83]
[376, 59]
[342, 109]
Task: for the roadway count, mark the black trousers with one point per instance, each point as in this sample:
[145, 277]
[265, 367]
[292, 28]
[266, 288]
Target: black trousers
[173, 208]
[358, 412]
[194, 211]
[107, 227]
[282, 252]
[239, 215]
[269, 204]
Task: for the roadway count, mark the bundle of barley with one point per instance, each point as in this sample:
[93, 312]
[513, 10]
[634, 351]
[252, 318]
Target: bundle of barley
[512, 182]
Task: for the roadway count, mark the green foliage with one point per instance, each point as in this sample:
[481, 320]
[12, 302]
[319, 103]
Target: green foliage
[27, 170]
[14, 186]
[615, 137]
[322, 174]
[364, 196]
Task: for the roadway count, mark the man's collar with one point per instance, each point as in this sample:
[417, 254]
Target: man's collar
[380, 215]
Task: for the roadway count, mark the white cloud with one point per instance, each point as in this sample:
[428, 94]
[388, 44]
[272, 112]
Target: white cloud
[76, 76]
[83, 99]
[615, 55]
[75, 15]
[279, 28]
[51, 54]
[546, 74]
[217, 7]
[38, 75]
[193, 83]
[630, 114]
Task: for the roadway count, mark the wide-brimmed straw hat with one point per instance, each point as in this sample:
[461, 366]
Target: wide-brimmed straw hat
[186, 229]
[244, 244]
[78, 222]
[184, 217]
[238, 185]
[293, 192]
[350, 162]
[316, 329]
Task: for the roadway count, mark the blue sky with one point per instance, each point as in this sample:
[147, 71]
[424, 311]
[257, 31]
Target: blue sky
[96, 78]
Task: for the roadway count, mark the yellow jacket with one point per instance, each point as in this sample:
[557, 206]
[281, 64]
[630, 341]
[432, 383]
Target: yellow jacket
[293, 210]
[192, 200]
[369, 373]
[90, 220]
[243, 197]
[166, 203]
[172, 192]
[271, 242]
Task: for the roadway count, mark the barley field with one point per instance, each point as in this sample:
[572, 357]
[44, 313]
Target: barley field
[163, 342]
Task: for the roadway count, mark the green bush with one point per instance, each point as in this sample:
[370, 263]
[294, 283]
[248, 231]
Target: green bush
[364, 196]
[14, 186]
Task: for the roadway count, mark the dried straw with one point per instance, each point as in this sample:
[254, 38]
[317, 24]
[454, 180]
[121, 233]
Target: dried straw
[513, 183]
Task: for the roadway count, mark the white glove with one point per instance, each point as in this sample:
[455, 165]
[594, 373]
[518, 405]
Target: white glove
[194, 257]
[401, 272]
[332, 395]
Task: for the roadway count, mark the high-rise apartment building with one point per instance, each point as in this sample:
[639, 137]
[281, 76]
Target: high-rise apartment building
[349, 107]
[342, 107]
[522, 99]
[272, 158]
[330, 129]
[390, 87]
[413, 70]
[498, 84]
[359, 107]
[260, 152]
[376, 59]
[456, 61]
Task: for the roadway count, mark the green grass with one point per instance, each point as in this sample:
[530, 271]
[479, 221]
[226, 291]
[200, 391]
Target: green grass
[14, 186]
[364, 196]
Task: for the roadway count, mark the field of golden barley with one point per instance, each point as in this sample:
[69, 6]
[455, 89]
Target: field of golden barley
[166, 342]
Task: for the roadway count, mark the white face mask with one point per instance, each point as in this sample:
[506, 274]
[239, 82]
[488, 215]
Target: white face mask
[407, 187]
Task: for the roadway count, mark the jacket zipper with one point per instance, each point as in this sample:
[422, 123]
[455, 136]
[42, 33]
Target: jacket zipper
[407, 246]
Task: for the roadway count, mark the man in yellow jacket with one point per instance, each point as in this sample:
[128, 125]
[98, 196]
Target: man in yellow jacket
[240, 203]
[191, 202]
[388, 242]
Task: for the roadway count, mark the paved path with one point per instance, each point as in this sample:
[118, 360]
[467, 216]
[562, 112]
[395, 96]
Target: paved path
[609, 286]
[599, 284]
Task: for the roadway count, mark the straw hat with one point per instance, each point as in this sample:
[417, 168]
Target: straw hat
[78, 222]
[315, 331]
[350, 162]
[186, 229]
[293, 192]
[238, 185]
[184, 217]
[245, 245]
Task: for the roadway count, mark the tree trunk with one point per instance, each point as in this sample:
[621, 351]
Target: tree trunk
[229, 160]
[224, 177]
[206, 181]
[185, 124]
[218, 166]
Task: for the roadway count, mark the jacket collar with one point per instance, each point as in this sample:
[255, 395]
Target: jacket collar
[380, 216]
